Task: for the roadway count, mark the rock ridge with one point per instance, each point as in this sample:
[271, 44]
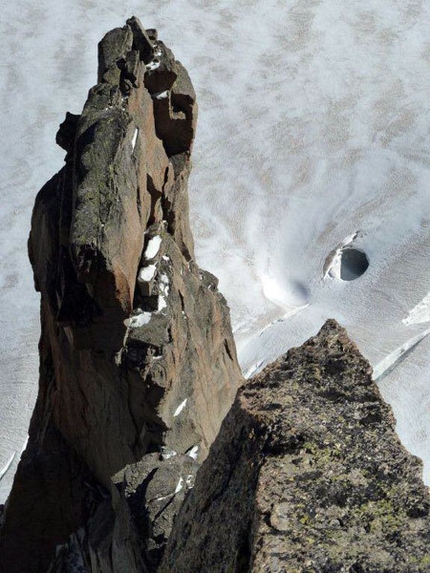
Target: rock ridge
[307, 475]
[137, 361]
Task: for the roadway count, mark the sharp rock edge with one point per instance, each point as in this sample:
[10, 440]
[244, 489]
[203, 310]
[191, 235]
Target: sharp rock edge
[307, 475]
[94, 490]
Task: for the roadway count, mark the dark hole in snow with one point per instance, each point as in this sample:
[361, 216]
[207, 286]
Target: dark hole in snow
[353, 264]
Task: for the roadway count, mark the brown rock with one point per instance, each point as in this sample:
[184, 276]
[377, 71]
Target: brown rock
[136, 349]
[306, 475]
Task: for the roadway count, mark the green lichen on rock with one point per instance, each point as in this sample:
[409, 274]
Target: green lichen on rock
[311, 473]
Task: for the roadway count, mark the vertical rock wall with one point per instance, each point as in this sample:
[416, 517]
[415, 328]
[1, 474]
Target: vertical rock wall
[138, 364]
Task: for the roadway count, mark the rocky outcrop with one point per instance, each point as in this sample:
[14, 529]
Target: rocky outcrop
[306, 475]
[137, 361]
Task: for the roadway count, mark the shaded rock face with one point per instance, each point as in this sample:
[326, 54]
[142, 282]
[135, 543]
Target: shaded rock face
[306, 475]
[136, 352]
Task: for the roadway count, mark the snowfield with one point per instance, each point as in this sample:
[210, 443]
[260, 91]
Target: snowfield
[313, 136]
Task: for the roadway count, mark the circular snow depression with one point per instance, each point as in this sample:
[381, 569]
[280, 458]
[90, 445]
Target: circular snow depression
[353, 263]
[346, 262]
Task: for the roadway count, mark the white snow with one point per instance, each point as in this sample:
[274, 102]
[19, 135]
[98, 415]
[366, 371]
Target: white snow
[180, 485]
[133, 141]
[420, 313]
[390, 360]
[138, 320]
[162, 95]
[167, 453]
[164, 284]
[164, 289]
[334, 265]
[180, 408]
[153, 247]
[153, 65]
[7, 466]
[193, 452]
[189, 481]
[253, 369]
[146, 273]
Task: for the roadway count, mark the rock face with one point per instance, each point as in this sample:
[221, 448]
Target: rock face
[136, 354]
[306, 475]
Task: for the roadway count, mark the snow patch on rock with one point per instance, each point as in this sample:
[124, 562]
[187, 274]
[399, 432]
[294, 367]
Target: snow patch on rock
[179, 486]
[180, 408]
[133, 141]
[193, 452]
[138, 320]
[147, 273]
[162, 95]
[153, 247]
[152, 65]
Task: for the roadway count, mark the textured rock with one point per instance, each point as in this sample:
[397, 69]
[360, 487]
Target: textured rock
[306, 475]
[136, 349]
[155, 488]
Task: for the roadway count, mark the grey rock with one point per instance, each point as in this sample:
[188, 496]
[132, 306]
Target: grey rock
[155, 489]
[307, 475]
[127, 370]
[113, 48]
[141, 39]
[66, 134]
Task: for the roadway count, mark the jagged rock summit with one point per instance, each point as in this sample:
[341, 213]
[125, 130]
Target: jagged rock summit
[307, 475]
[137, 360]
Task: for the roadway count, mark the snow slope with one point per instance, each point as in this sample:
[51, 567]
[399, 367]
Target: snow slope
[314, 127]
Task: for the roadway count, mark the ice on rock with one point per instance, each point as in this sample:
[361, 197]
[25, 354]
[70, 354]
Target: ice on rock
[180, 408]
[167, 453]
[162, 95]
[133, 141]
[180, 485]
[162, 304]
[193, 452]
[147, 273]
[153, 65]
[138, 320]
[164, 284]
[164, 292]
[189, 481]
[153, 247]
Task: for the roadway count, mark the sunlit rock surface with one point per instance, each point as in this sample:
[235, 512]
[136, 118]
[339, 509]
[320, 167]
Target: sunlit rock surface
[306, 475]
[136, 351]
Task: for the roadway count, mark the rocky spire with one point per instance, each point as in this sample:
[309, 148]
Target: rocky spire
[137, 360]
[307, 475]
